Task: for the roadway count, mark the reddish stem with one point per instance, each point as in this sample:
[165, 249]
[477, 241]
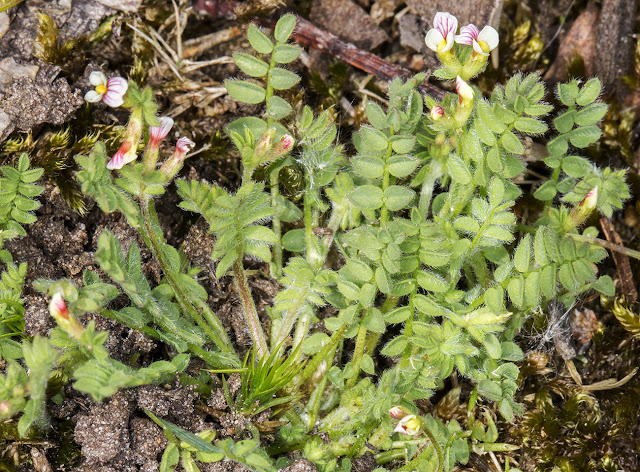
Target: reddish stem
[308, 35]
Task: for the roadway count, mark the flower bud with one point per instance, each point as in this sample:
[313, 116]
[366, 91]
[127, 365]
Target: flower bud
[397, 412]
[59, 311]
[128, 150]
[282, 147]
[173, 165]
[437, 112]
[409, 425]
[465, 92]
[264, 144]
[58, 308]
[156, 134]
[583, 209]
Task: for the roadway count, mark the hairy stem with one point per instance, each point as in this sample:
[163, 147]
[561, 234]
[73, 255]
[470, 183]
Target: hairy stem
[357, 355]
[324, 352]
[384, 213]
[436, 446]
[202, 314]
[428, 184]
[249, 307]
[606, 244]
[316, 400]
[313, 250]
[276, 225]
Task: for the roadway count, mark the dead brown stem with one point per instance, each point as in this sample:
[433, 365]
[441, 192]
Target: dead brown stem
[308, 35]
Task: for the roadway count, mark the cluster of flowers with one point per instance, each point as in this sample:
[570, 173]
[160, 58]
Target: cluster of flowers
[112, 92]
[408, 424]
[441, 37]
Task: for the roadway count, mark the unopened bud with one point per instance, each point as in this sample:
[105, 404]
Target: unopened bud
[5, 409]
[583, 209]
[465, 92]
[437, 112]
[282, 147]
[173, 165]
[58, 308]
[59, 311]
[158, 133]
[264, 144]
[397, 412]
[128, 151]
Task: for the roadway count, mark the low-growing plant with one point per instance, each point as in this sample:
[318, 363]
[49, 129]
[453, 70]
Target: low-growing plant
[402, 265]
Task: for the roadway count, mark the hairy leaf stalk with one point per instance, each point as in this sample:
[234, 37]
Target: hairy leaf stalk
[249, 307]
[276, 225]
[203, 315]
[357, 355]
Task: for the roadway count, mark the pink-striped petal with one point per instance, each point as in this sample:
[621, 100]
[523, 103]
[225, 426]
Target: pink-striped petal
[446, 24]
[113, 99]
[126, 154]
[184, 145]
[117, 161]
[118, 85]
[156, 133]
[467, 35]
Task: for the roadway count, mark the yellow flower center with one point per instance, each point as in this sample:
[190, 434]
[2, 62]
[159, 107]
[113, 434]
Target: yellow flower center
[484, 46]
[442, 45]
[101, 89]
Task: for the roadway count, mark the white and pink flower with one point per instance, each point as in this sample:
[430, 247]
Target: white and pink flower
[409, 425]
[109, 91]
[127, 153]
[483, 42]
[440, 38]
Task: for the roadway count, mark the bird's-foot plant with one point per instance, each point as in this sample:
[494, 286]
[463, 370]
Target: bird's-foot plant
[404, 267]
[431, 254]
